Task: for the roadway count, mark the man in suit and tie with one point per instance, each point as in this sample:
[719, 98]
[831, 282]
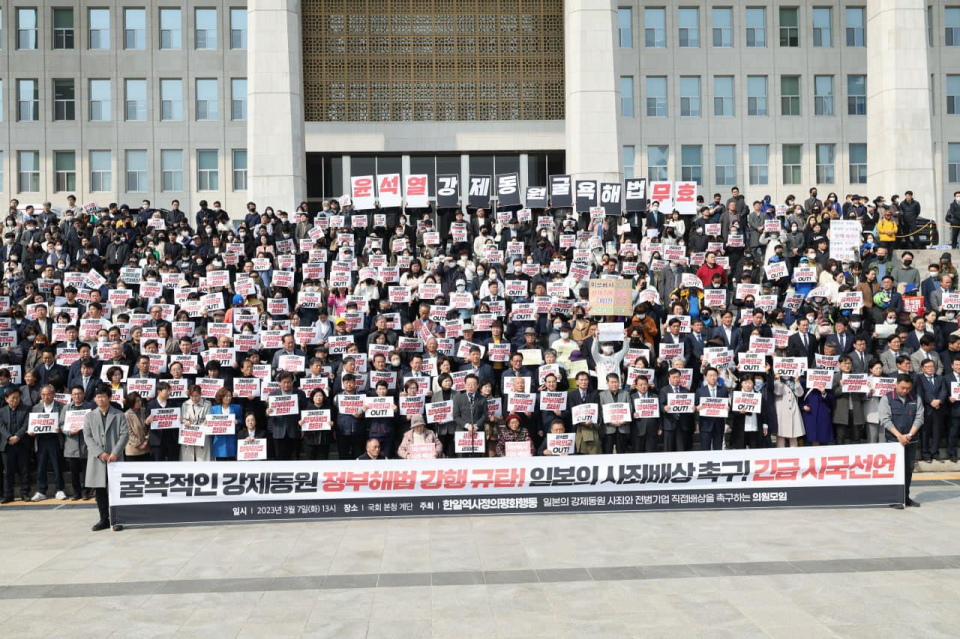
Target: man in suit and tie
[925, 353]
[889, 357]
[802, 343]
[859, 358]
[729, 333]
[49, 370]
[588, 440]
[932, 391]
[696, 340]
[106, 433]
[842, 338]
[711, 428]
[674, 424]
[953, 414]
[71, 340]
[84, 377]
[469, 407]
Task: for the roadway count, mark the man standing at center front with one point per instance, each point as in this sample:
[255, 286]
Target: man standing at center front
[106, 433]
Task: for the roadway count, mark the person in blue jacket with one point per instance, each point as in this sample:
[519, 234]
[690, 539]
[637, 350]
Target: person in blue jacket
[225, 446]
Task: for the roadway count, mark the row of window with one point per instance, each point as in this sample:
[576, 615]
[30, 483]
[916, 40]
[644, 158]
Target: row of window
[758, 163]
[755, 21]
[135, 175]
[170, 23]
[207, 100]
[724, 99]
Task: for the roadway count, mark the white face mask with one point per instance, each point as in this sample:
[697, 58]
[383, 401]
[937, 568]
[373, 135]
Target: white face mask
[565, 335]
[608, 350]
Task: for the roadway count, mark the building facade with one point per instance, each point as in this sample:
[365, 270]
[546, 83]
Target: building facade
[125, 101]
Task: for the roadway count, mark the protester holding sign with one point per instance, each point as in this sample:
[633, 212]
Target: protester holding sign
[418, 435]
[513, 432]
[224, 447]
[318, 441]
[351, 426]
[193, 416]
[74, 447]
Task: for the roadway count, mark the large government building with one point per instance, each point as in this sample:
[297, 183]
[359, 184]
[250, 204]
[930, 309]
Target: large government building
[280, 101]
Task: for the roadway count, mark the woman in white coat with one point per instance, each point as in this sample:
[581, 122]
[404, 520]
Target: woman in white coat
[789, 417]
[194, 414]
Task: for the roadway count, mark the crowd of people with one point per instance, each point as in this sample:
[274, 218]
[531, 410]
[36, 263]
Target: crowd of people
[463, 333]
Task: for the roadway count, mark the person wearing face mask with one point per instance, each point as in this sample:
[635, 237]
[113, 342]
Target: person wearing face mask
[905, 273]
[609, 360]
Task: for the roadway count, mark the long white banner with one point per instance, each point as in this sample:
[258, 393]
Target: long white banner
[147, 493]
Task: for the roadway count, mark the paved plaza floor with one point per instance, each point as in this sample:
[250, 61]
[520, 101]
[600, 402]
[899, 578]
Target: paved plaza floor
[873, 572]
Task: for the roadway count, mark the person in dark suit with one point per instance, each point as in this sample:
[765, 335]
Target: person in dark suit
[859, 357]
[643, 435]
[49, 370]
[655, 218]
[953, 414]
[674, 424]
[285, 429]
[747, 429]
[729, 333]
[469, 408]
[696, 340]
[84, 377]
[164, 442]
[802, 343]
[842, 339]
[475, 365]
[547, 417]
[588, 435]
[932, 391]
[14, 445]
[711, 428]
[42, 324]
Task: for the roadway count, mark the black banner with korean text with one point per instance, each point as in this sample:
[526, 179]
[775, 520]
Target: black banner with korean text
[147, 494]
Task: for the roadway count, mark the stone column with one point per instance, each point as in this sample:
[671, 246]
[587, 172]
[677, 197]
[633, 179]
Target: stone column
[899, 128]
[591, 90]
[275, 137]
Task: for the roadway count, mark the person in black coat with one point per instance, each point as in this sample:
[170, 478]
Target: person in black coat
[583, 395]
[49, 370]
[953, 219]
[674, 425]
[751, 430]
[952, 415]
[800, 346]
[933, 391]
[643, 435]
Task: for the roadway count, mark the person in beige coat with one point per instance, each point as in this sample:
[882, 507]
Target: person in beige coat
[789, 418]
[138, 447]
[105, 433]
[194, 413]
